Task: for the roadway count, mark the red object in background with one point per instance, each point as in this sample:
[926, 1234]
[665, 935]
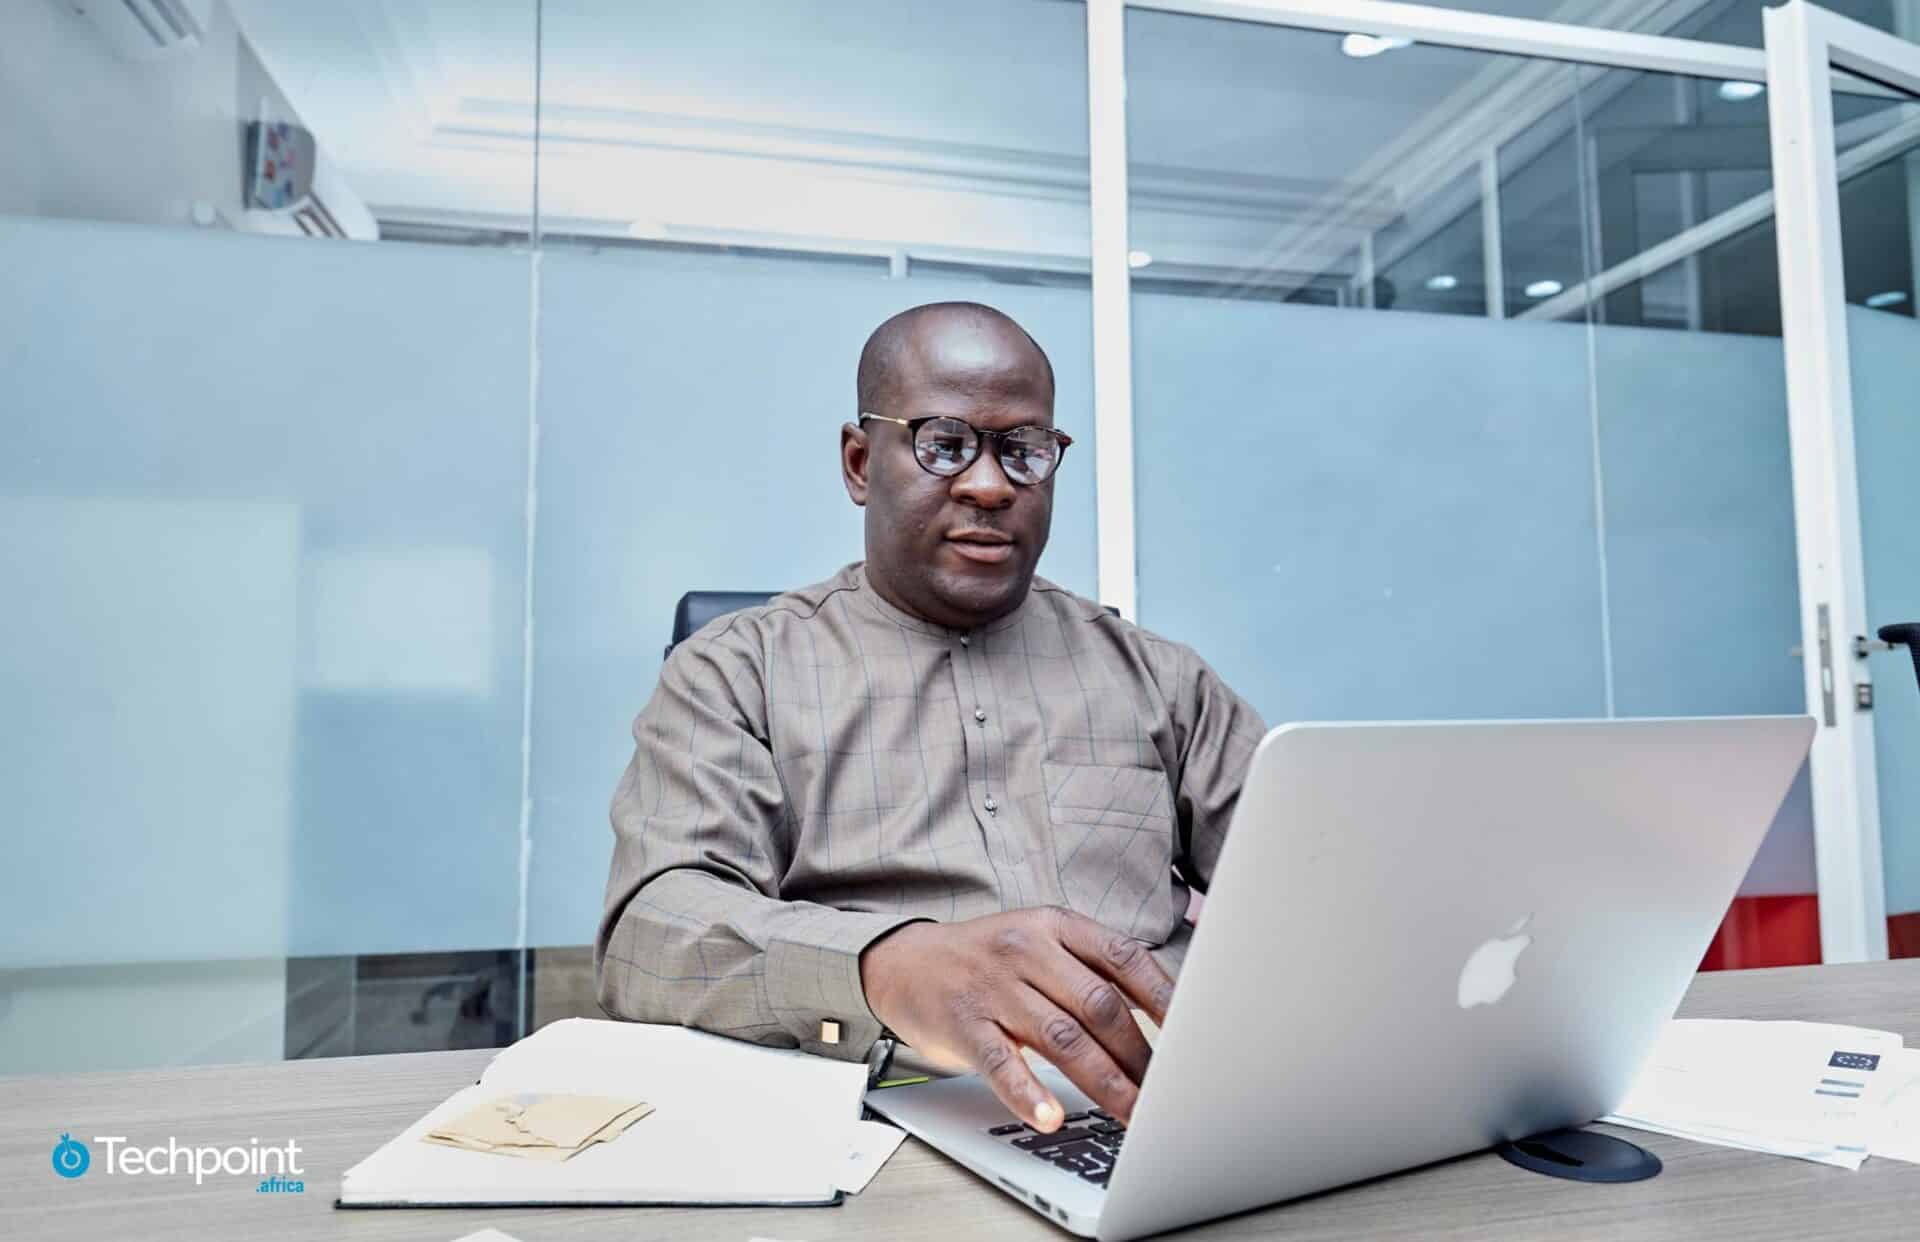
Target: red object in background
[1785, 931]
[1767, 931]
[1903, 935]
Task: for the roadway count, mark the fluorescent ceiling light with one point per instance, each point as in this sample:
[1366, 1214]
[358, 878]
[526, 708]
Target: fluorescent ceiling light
[1138, 258]
[1892, 297]
[1544, 288]
[1443, 282]
[1361, 46]
[1740, 92]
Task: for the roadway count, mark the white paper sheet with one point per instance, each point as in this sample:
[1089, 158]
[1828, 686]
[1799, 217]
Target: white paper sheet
[1803, 1089]
[871, 1144]
[681, 1072]
[732, 1123]
[1897, 1134]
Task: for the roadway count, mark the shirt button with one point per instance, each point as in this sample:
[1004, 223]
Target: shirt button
[992, 806]
[980, 714]
[965, 641]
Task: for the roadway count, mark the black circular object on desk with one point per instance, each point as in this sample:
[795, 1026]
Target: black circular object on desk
[1581, 1156]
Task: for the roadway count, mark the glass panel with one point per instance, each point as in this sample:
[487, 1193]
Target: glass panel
[1738, 21]
[1682, 210]
[1434, 258]
[1242, 188]
[1392, 465]
[725, 218]
[1691, 430]
[1380, 466]
[262, 503]
[1880, 225]
[1543, 219]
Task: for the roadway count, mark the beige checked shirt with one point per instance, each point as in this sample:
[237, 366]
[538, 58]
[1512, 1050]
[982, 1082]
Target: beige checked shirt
[815, 772]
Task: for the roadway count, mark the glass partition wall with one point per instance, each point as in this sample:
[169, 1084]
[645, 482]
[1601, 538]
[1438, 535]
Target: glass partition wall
[263, 477]
[349, 478]
[1551, 480]
[724, 220]
[1441, 378]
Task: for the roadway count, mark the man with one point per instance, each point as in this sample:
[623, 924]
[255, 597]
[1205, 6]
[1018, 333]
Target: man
[935, 793]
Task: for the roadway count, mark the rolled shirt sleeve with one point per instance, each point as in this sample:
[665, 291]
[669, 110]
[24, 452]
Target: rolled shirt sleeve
[694, 930]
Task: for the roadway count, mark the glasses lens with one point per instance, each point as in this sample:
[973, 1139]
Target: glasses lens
[946, 445]
[1029, 455]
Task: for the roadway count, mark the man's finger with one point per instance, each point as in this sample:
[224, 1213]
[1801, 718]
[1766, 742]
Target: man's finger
[1120, 958]
[1101, 1008]
[1059, 1037]
[999, 1061]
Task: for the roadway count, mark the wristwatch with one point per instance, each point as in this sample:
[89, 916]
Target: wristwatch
[879, 1057]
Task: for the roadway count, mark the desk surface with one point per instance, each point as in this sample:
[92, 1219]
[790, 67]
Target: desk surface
[340, 1110]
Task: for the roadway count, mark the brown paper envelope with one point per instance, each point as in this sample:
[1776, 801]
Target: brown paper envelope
[540, 1126]
[617, 1126]
[538, 1120]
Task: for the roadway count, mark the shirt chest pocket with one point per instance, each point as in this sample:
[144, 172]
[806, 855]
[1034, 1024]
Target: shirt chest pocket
[1113, 842]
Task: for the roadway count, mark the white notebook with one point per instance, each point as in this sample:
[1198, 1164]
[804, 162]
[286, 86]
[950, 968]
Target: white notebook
[732, 1124]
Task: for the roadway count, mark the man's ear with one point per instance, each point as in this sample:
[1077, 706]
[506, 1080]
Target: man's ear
[854, 461]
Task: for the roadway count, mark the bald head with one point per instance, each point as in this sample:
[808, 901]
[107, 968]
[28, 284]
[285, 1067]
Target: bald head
[955, 548]
[966, 340]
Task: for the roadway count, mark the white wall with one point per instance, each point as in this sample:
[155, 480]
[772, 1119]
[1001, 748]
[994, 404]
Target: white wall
[93, 136]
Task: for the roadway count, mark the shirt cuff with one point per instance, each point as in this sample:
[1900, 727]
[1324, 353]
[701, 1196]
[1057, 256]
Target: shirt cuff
[813, 981]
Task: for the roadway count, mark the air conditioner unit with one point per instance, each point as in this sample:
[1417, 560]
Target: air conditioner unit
[148, 29]
[288, 187]
[280, 163]
[334, 210]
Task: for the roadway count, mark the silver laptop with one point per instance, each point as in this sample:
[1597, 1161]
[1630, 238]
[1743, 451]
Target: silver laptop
[1421, 940]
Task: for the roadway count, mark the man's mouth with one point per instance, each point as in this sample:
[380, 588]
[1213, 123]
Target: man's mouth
[987, 547]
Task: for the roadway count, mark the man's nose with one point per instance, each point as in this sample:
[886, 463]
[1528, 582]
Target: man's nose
[984, 482]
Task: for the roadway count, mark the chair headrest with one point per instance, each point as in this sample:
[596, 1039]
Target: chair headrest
[696, 608]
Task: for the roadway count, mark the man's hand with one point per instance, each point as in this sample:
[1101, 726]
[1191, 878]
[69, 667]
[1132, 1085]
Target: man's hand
[974, 993]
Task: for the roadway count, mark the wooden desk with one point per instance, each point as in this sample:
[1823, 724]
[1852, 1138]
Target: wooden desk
[340, 1110]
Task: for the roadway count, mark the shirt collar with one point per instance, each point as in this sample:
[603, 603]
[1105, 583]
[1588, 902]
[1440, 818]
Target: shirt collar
[857, 576]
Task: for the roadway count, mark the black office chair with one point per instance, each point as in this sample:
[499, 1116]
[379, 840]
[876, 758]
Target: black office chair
[1907, 633]
[696, 608]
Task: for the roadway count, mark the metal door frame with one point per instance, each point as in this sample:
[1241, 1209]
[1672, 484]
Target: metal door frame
[1805, 46]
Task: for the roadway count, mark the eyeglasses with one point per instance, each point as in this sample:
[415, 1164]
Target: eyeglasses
[945, 446]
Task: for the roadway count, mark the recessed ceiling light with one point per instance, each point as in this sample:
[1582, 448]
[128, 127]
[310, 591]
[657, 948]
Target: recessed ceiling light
[1740, 92]
[1361, 46]
[1544, 288]
[1443, 282]
[1138, 258]
[1892, 297]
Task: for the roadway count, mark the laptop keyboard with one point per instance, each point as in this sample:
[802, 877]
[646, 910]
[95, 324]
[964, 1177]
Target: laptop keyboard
[1086, 1144]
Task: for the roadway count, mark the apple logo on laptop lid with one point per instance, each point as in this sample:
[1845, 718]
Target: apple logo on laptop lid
[1489, 973]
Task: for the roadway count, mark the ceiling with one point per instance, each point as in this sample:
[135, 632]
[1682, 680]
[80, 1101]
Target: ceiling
[877, 120]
